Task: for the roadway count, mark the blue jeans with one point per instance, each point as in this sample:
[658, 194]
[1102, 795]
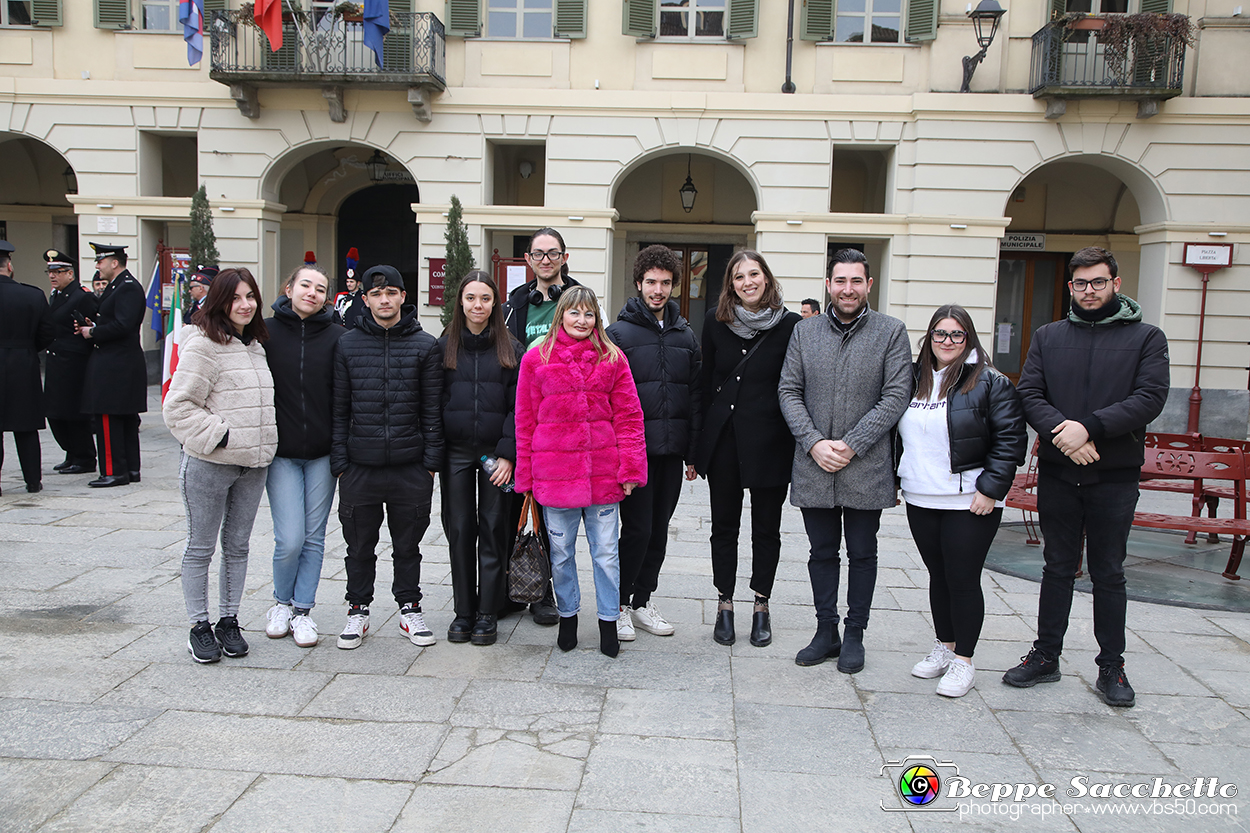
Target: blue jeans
[601, 531]
[300, 494]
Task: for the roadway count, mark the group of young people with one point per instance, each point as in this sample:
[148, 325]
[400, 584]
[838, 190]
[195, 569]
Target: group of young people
[601, 424]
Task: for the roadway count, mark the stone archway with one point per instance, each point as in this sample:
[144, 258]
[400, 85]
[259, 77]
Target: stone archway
[34, 207]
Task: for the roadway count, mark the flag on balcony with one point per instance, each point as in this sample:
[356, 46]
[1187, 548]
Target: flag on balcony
[377, 23]
[268, 16]
[191, 16]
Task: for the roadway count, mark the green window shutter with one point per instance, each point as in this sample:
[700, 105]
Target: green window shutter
[397, 45]
[211, 6]
[922, 20]
[638, 18]
[464, 18]
[112, 14]
[1058, 8]
[46, 12]
[570, 18]
[744, 19]
[1156, 6]
[816, 21]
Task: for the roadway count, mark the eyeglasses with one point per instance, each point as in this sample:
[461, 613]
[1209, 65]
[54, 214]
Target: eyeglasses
[553, 256]
[954, 336]
[1099, 284]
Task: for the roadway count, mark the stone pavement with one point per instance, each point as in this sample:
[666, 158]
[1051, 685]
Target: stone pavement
[108, 724]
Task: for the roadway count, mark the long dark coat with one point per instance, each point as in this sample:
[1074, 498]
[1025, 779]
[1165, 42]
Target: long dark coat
[65, 368]
[765, 444]
[24, 330]
[117, 374]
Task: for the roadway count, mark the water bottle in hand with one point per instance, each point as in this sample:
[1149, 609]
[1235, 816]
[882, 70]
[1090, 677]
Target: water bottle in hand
[489, 464]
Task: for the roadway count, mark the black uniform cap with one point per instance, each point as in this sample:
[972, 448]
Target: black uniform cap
[6, 247]
[102, 251]
[58, 260]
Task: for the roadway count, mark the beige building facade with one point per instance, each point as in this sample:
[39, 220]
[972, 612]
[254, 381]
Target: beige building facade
[590, 116]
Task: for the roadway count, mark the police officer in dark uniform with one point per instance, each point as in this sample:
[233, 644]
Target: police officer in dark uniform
[197, 287]
[25, 329]
[65, 368]
[116, 389]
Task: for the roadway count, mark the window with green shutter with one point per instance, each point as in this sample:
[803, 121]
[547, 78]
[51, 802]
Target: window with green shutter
[112, 14]
[397, 44]
[464, 18]
[922, 20]
[46, 13]
[638, 18]
[816, 20]
[1156, 6]
[211, 6]
[743, 22]
[570, 20]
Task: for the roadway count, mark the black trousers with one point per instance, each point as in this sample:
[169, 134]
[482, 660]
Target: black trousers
[28, 455]
[74, 438]
[824, 533]
[644, 527]
[953, 544]
[725, 490]
[1104, 513]
[117, 443]
[475, 520]
[407, 520]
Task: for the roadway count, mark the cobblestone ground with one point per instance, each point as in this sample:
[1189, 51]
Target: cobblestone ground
[108, 725]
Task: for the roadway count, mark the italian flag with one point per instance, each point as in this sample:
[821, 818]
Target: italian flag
[173, 335]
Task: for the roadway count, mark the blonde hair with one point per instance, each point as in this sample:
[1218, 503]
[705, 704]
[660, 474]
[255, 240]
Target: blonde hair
[579, 297]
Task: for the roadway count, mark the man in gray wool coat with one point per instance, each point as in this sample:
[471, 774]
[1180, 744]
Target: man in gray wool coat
[845, 383]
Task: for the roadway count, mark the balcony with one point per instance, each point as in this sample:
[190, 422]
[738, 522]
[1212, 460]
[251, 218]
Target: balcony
[323, 49]
[1109, 57]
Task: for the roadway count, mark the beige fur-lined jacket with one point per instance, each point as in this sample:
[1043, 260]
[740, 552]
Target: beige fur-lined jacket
[219, 388]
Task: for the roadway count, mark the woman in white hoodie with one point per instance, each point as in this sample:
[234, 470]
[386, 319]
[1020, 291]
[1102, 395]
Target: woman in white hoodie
[963, 435]
[220, 407]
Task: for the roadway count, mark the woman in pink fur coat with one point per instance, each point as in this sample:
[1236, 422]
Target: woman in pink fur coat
[580, 450]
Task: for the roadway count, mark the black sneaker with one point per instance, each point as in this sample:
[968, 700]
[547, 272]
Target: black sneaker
[231, 637]
[1113, 686]
[202, 644]
[1034, 668]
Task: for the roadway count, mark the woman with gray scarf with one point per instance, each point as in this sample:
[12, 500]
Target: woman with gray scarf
[745, 443]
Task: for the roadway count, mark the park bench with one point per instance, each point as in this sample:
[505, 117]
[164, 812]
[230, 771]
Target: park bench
[1188, 467]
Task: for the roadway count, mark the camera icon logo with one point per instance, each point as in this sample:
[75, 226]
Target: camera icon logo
[918, 780]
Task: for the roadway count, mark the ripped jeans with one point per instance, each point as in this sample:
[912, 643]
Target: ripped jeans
[602, 523]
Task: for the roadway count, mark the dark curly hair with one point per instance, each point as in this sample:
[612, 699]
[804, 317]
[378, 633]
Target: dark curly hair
[657, 257]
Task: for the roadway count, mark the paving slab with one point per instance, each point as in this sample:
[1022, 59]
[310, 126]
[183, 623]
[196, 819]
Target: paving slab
[281, 803]
[667, 775]
[66, 731]
[31, 791]
[460, 809]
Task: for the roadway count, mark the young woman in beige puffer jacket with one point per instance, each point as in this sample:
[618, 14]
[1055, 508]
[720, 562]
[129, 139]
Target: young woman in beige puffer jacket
[220, 407]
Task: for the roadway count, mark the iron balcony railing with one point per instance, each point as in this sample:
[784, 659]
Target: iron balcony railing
[322, 47]
[1073, 62]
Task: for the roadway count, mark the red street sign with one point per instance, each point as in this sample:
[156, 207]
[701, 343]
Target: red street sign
[438, 272]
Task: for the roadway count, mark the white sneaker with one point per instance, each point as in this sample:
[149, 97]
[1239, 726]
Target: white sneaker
[958, 679]
[279, 617]
[625, 626]
[305, 630]
[412, 623]
[650, 620]
[354, 632]
[935, 664]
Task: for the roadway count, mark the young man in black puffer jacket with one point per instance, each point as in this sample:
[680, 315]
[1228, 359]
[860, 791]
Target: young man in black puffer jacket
[387, 444]
[1091, 384]
[665, 360]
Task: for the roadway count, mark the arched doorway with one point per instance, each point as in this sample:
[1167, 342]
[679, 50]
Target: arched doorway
[1059, 208]
[342, 195]
[377, 221]
[649, 201]
[35, 214]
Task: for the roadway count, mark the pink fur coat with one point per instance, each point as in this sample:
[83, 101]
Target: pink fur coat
[578, 427]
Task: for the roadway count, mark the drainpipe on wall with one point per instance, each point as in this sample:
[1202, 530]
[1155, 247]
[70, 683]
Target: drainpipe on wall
[789, 87]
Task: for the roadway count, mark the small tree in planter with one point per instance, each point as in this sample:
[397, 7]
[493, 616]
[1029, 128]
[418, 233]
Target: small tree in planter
[459, 259]
[203, 241]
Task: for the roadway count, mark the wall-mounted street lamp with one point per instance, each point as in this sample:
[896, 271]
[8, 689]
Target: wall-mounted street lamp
[71, 181]
[688, 192]
[377, 166]
[987, 11]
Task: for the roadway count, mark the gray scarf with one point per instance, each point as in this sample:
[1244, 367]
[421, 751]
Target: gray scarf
[747, 324]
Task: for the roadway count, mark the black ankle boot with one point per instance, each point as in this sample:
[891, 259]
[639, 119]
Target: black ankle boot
[567, 637]
[851, 659]
[460, 629]
[824, 644]
[485, 631]
[723, 632]
[761, 625]
[609, 643]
